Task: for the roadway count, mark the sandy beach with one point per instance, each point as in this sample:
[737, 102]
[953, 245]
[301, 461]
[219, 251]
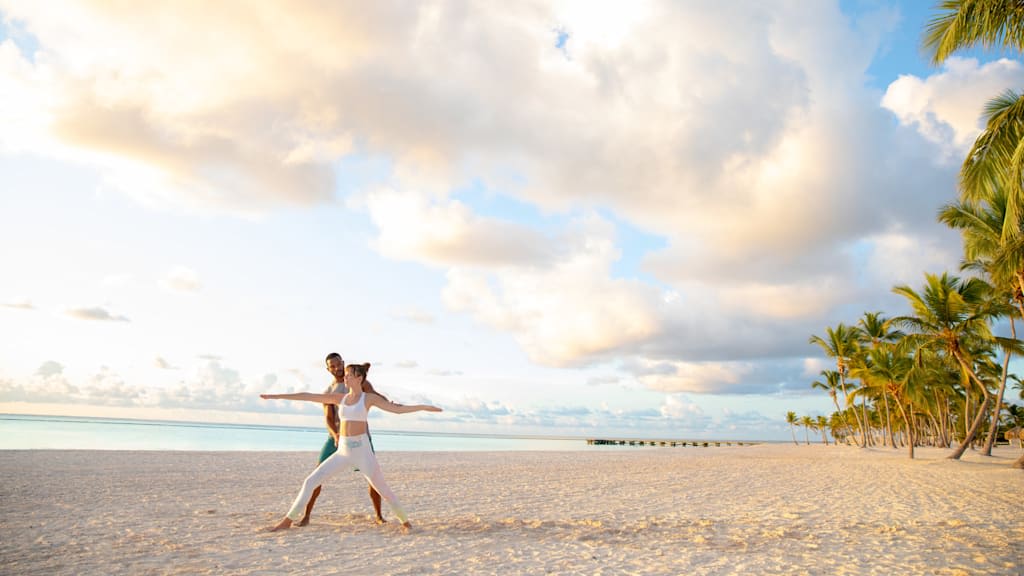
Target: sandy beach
[766, 509]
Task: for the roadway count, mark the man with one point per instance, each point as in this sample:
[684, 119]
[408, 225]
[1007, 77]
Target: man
[336, 366]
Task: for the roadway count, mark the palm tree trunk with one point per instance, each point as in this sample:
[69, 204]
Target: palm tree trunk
[947, 426]
[838, 411]
[979, 418]
[994, 426]
[938, 430]
[842, 381]
[888, 420]
[967, 410]
[910, 427]
[864, 415]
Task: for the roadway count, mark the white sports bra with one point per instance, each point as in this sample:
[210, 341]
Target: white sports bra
[356, 412]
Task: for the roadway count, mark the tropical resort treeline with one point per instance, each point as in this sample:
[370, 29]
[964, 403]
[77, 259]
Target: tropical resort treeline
[936, 377]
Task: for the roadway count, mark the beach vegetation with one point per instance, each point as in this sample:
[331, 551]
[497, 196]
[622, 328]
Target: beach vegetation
[792, 420]
[946, 371]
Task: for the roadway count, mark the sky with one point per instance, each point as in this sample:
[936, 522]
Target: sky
[568, 218]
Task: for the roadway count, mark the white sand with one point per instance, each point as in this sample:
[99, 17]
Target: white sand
[769, 509]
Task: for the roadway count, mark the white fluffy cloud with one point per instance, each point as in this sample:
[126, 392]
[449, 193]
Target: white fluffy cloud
[182, 279]
[695, 377]
[568, 311]
[96, 313]
[946, 107]
[742, 134]
[414, 227]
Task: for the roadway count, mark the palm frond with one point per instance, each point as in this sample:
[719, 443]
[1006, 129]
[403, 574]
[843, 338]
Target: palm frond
[968, 23]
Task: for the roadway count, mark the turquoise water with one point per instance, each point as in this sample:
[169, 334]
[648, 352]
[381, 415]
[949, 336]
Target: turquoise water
[21, 432]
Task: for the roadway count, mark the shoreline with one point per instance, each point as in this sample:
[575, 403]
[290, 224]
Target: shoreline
[54, 432]
[764, 509]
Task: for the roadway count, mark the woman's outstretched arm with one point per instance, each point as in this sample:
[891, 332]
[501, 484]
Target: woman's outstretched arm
[307, 397]
[388, 406]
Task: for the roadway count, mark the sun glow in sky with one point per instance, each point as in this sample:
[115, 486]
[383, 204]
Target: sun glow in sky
[571, 218]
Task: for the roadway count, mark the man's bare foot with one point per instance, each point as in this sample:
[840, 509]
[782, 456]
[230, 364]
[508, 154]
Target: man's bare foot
[406, 527]
[380, 520]
[303, 522]
[282, 525]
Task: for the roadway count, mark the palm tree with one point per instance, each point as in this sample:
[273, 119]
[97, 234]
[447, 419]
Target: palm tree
[807, 422]
[996, 161]
[948, 318]
[886, 372]
[839, 426]
[832, 385]
[791, 420]
[876, 330]
[842, 344]
[970, 23]
[821, 423]
[1002, 261]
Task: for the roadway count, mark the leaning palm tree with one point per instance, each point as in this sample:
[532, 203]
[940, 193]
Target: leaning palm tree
[792, 420]
[842, 343]
[999, 259]
[948, 318]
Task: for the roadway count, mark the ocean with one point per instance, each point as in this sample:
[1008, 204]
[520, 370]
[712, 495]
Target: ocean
[27, 432]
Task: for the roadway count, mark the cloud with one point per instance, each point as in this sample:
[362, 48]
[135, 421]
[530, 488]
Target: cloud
[50, 368]
[603, 380]
[95, 313]
[406, 364]
[162, 364]
[694, 377]
[744, 137]
[414, 316]
[677, 407]
[118, 279]
[564, 313]
[40, 388]
[19, 305]
[439, 372]
[814, 366]
[946, 107]
[448, 233]
[182, 279]
[218, 387]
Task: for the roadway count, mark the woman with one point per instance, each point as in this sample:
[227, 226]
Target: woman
[336, 367]
[353, 443]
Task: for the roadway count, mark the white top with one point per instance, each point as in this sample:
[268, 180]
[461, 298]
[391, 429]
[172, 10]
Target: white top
[355, 412]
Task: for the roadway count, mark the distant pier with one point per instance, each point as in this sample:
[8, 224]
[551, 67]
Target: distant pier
[672, 443]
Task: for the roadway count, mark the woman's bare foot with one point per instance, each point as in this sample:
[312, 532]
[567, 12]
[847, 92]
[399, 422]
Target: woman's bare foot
[406, 527]
[303, 522]
[282, 525]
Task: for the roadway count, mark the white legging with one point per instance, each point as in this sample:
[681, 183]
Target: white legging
[353, 451]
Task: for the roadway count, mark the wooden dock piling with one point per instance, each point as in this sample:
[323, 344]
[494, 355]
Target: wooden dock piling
[664, 443]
